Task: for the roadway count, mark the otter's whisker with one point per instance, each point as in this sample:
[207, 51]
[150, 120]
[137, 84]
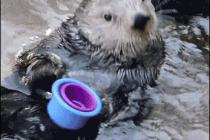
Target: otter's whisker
[133, 48]
[167, 11]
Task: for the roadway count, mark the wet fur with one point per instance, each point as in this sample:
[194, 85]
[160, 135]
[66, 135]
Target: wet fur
[44, 65]
[39, 67]
[134, 57]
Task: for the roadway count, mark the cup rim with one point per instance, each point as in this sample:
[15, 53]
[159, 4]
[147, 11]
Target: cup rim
[88, 103]
[56, 94]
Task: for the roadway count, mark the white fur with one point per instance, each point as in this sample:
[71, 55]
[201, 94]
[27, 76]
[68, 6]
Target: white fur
[118, 34]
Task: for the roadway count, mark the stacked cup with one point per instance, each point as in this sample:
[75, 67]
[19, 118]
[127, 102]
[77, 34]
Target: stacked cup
[72, 104]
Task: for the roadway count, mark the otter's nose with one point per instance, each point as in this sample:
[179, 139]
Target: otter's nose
[140, 21]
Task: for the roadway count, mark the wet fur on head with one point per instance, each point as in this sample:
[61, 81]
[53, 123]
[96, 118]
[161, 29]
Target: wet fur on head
[117, 36]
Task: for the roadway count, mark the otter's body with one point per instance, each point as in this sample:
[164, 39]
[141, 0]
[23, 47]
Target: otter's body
[67, 53]
[116, 54]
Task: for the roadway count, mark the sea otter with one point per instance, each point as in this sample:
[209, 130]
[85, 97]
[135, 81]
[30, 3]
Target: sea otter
[123, 43]
[111, 45]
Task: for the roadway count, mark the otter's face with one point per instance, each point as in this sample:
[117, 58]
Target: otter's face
[122, 26]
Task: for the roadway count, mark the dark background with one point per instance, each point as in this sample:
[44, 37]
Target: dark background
[186, 7]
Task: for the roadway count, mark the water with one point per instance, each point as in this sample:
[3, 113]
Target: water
[181, 110]
[25, 22]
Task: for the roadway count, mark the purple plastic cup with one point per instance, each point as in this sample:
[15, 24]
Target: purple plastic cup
[73, 103]
[78, 97]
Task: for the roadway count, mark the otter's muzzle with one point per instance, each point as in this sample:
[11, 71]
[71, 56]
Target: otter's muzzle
[140, 22]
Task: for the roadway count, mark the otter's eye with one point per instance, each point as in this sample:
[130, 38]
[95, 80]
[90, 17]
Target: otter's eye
[108, 17]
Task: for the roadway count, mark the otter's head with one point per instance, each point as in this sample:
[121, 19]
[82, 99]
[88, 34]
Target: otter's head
[122, 27]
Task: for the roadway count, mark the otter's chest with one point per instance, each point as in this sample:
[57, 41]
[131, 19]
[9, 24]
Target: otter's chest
[99, 78]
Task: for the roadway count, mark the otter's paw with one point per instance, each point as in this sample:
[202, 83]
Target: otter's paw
[113, 104]
[135, 106]
[39, 71]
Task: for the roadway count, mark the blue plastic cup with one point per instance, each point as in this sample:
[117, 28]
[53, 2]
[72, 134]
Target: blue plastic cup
[73, 103]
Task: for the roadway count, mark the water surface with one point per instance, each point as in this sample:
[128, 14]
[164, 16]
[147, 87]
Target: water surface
[181, 110]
